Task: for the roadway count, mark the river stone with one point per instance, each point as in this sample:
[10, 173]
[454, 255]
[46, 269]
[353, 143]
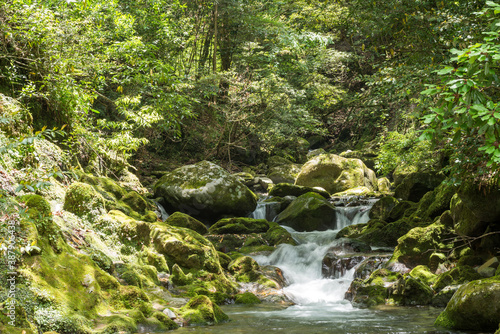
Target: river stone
[484, 203]
[415, 185]
[382, 208]
[284, 173]
[466, 223]
[369, 265]
[180, 219]
[336, 266]
[336, 174]
[308, 212]
[205, 189]
[475, 306]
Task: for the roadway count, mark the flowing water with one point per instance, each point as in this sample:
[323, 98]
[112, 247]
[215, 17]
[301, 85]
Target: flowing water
[320, 306]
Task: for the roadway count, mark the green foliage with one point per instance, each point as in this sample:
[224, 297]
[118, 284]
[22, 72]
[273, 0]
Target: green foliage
[466, 115]
[403, 150]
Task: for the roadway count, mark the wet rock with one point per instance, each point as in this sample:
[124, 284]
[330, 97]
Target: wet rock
[336, 266]
[369, 265]
[180, 219]
[415, 185]
[455, 276]
[383, 207]
[201, 310]
[465, 221]
[442, 298]
[336, 174]
[308, 212]
[474, 306]
[205, 189]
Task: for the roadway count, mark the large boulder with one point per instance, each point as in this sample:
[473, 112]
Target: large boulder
[286, 189]
[484, 203]
[415, 185]
[475, 306]
[205, 189]
[284, 173]
[383, 207]
[465, 221]
[185, 247]
[336, 174]
[308, 212]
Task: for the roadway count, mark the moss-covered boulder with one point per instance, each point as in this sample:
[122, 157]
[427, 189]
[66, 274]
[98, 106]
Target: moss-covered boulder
[384, 185]
[308, 212]
[201, 310]
[246, 270]
[205, 189]
[336, 174]
[180, 219]
[416, 247]
[424, 274]
[382, 208]
[484, 203]
[239, 225]
[475, 306]
[185, 247]
[458, 275]
[374, 290]
[246, 298]
[357, 191]
[286, 189]
[401, 210]
[285, 173]
[82, 199]
[415, 185]
[465, 221]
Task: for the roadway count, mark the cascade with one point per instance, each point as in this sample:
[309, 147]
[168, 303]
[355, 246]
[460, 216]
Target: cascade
[266, 210]
[302, 264]
[163, 213]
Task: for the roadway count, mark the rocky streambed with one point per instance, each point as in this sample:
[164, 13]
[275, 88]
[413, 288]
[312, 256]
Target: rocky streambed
[96, 255]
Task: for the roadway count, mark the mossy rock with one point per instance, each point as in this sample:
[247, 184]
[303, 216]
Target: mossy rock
[245, 269]
[185, 247]
[286, 189]
[205, 189]
[401, 210]
[383, 207]
[136, 202]
[178, 276]
[374, 290]
[415, 292]
[132, 232]
[286, 173]
[201, 310]
[108, 188]
[246, 298]
[417, 245]
[37, 205]
[180, 219]
[277, 235]
[151, 257]
[475, 306]
[101, 260]
[434, 203]
[455, 276]
[239, 225]
[415, 185]
[484, 203]
[384, 185]
[465, 221]
[308, 212]
[82, 199]
[336, 174]
[424, 274]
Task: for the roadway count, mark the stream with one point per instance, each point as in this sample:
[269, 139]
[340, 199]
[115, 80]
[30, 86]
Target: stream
[320, 306]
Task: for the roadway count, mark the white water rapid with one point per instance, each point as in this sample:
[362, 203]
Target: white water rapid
[302, 264]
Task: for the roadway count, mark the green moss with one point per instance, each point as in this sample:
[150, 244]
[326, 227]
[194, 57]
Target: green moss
[308, 212]
[101, 260]
[245, 269]
[180, 219]
[201, 310]
[458, 275]
[424, 274]
[382, 208]
[82, 199]
[277, 235]
[151, 257]
[136, 202]
[168, 324]
[240, 225]
[246, 298]
[179, 278]
[132, 297]
[474, 306]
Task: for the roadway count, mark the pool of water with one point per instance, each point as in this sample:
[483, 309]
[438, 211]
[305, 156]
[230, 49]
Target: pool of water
[335, 318]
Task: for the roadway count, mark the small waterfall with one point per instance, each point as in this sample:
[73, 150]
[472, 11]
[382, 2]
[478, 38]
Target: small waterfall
[162, 212]
[302, 264]
[266, 210]
[350, 215]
